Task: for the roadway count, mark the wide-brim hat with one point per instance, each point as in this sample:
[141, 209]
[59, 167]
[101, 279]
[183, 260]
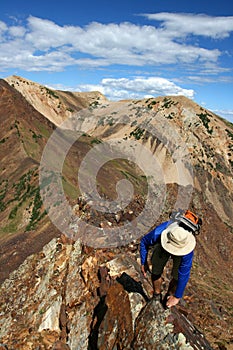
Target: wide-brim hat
[177, 241]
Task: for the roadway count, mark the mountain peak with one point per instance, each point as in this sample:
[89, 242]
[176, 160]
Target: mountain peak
[56, 105]
[192, 149]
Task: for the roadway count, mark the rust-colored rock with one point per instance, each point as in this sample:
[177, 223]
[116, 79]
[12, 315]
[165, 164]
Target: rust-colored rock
[58, 345]
[57, 287]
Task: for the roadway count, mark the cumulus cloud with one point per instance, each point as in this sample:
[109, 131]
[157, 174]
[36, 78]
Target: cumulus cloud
[137, 88]
[44, 45]
[182, 24]
[3, 26]
[17, 31]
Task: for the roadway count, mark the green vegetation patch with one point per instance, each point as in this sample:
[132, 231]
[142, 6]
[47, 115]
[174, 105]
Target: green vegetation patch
[3, 140]
[23, 187]
[35, 136]
[16, 126]
[36, 215]
[205, 121]
[94, 104]
[95, 140]
[168, 102]
[229, 133]
[42, 129]
[137, 133]
[3, 191]
[70, 190]
[151, 103]
[24, 195]
[51, 93]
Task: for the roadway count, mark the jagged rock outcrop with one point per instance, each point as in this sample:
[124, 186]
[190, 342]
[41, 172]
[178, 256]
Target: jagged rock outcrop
[69, 297]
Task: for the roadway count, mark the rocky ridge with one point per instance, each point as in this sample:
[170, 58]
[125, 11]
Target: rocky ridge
[55, 105]
[69, 297]
[24, 134]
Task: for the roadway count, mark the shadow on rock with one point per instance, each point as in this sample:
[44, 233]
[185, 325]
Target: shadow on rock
[131, 286]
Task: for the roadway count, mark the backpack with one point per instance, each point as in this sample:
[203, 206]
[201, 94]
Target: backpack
[188, 220]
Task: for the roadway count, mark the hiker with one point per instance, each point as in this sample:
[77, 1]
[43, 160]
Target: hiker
[171, 240]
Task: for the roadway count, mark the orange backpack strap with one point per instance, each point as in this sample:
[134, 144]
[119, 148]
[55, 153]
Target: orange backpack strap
[191, 216]
[188, 219]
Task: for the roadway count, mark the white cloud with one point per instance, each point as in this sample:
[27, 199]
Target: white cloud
[17, 31]
[124, 88]
[3, 26]
[226, 114]
[182, 24]
[45, 45]
[44, 35]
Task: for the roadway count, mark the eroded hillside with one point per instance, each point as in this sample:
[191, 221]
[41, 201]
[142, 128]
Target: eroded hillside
[54, 105]
[179, 149]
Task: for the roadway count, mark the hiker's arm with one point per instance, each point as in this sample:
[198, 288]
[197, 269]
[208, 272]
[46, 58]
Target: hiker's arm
[183, 275]
[144, 269]
[147, 241]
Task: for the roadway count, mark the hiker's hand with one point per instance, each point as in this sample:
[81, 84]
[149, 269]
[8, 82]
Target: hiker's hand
[172, 301]
[144, 269]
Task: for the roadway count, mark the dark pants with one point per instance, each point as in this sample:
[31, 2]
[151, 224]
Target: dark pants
[159, 259]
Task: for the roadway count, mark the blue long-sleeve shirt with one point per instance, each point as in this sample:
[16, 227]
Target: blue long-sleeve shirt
[186, 260]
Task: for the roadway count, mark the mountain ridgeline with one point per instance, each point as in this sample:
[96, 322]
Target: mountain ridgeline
[63, 291]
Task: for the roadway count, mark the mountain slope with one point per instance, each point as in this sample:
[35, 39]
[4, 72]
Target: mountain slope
[23, 134]
[53, 104]
[25, 227]
[192, 149]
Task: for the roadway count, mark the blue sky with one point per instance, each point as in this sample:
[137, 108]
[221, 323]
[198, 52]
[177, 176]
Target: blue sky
[125, 49]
